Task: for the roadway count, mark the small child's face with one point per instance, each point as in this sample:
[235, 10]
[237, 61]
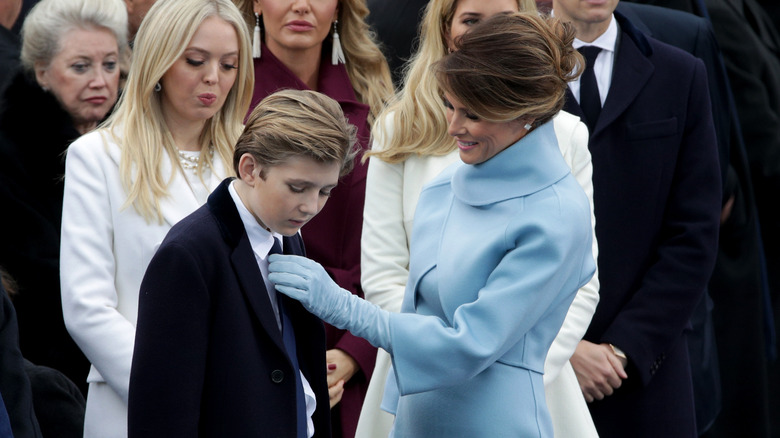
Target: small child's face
[291, 194]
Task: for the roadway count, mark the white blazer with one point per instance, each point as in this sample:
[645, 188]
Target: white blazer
[104, 253]
[392, 192]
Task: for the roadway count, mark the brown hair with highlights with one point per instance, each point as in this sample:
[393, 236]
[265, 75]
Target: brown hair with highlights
[511, 66]
[293, 123]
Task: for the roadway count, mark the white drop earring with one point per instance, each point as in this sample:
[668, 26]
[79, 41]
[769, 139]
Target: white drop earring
[337, 55]
[256, 46]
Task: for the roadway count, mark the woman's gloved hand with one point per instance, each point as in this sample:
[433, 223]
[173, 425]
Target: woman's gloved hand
[306, 281]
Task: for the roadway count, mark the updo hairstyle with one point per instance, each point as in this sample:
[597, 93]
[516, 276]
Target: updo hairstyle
[49, 20]
[511, 66]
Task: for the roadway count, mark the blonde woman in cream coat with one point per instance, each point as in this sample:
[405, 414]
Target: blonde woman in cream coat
[397, 171]
[167, 145]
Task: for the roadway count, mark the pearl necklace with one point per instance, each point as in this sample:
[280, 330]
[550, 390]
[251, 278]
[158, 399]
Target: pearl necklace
[190, 161]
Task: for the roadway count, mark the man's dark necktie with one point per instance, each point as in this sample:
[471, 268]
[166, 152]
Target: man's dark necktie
[590, 102]
[288, 337]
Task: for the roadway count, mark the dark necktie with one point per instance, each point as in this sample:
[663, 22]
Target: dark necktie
[288, 337]
[590, 102]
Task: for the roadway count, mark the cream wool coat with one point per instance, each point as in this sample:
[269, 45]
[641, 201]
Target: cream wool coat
[104, 253]
[392, 192]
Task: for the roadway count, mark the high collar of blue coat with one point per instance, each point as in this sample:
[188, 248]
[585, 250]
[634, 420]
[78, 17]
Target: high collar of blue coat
[531, 164]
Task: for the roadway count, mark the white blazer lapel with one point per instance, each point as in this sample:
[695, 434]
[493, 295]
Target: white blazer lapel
[217, 172]
[180, 201]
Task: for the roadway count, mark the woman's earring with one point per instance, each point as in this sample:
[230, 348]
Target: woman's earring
[256, 47]
[528, 126]
[157, 87]
[337, 56]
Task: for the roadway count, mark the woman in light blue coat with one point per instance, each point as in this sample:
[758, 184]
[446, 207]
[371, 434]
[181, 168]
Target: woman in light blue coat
[501, 243]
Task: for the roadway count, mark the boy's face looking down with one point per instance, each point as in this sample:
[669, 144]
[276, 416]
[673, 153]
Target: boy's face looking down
[282, 198]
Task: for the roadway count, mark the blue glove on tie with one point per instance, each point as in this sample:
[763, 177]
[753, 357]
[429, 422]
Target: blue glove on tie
[306, 281]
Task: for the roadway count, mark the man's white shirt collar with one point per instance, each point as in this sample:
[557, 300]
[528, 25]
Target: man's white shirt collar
[606, 41]
[602, 68]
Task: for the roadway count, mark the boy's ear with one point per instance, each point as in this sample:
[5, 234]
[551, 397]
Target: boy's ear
[248, 169]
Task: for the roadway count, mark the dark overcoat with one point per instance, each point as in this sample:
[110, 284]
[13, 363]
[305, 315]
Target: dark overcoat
[738, 306]
[35, 132]
[209, 360]
[657, 198]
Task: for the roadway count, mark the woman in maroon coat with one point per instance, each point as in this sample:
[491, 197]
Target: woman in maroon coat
[326, 46]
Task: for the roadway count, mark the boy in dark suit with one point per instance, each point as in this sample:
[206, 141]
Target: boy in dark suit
[218, 353]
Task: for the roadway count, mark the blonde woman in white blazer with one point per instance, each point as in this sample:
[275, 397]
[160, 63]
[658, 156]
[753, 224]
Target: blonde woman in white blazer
[167, 145]
[412, 146]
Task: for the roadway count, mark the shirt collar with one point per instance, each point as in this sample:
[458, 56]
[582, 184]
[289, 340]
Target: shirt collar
[260, 239]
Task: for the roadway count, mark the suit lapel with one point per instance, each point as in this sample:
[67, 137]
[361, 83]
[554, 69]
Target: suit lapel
[180, 200]
[242, 258]
[293, 246]
[253, 288]
[217, 171]
[631, 72]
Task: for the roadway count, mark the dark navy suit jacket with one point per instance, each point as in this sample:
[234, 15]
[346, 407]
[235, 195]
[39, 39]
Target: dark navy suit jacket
[743, 323]
[657, 198]
[209, 359]
[694, 35]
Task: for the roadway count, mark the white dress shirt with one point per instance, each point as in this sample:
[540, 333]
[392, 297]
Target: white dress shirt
[604, 61]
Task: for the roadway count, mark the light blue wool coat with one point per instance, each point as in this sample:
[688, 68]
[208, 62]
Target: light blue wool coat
[498, 252]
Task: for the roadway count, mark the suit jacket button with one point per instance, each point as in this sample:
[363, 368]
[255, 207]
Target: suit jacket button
[277, 376]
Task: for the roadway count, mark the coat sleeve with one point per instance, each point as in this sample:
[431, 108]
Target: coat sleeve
[384, 248]
[169, 361]
[577, 156]
[362, 352]
[88, 266]
[357, 348]
[506, 309]
[684, 257]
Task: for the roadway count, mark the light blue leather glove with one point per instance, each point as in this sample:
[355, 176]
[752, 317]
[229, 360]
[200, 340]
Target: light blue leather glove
[306, 281]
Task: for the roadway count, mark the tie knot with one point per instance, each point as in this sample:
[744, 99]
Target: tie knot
[590, 53]
[276, 248]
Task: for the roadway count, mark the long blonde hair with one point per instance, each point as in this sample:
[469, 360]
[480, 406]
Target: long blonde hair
[419, 125]
[367, 67]
[138, 125]
[247, 10]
